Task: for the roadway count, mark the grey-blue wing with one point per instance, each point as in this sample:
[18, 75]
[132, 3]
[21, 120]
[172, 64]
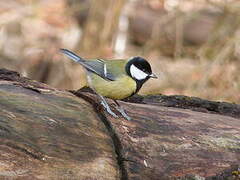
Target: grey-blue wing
[98, 66]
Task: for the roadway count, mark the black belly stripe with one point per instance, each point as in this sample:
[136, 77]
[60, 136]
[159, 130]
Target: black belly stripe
[139, 85]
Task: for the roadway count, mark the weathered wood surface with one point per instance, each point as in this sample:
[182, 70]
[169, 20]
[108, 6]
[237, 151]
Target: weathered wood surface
[47, 133]
[50, 134]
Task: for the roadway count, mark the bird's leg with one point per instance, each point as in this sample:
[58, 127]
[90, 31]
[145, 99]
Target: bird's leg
[106, 106]
[121, 110]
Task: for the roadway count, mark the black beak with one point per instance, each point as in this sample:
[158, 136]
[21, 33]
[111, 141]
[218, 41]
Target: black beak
[153, 76]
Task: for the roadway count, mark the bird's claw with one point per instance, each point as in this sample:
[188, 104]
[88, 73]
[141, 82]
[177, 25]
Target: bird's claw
[107, 108]
[123, 113]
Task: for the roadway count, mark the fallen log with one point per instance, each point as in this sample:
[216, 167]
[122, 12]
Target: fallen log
[46, 133]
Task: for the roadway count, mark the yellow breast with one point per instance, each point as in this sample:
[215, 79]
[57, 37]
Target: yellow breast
[119, 89]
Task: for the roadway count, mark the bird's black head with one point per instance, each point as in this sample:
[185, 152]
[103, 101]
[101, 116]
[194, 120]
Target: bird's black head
[140, 70]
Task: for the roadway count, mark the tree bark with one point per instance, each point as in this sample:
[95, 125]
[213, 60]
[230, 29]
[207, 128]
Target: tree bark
[46, 133]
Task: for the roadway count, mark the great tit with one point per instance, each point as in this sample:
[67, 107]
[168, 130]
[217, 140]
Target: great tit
[115, 79]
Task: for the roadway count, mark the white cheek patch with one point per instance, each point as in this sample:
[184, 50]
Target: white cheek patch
[137, 73]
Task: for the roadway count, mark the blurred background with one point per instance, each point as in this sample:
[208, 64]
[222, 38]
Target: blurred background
[193, 45]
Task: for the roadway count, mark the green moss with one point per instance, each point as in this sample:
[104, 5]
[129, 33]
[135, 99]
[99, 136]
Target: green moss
[223, 142]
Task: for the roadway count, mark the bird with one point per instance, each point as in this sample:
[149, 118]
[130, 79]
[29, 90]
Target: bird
[115, 79]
